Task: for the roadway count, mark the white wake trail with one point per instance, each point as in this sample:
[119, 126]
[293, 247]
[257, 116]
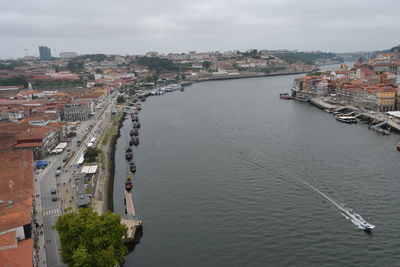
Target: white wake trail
[355, 218]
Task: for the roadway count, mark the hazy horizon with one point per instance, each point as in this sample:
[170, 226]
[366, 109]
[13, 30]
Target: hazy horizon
[133, 27]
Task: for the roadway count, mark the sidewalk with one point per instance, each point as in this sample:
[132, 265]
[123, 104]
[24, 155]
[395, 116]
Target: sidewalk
[39, 251]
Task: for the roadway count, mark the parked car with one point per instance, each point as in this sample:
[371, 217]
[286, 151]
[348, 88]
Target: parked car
[65, 158]
[53, 191]
[59, 168]
[54, 198]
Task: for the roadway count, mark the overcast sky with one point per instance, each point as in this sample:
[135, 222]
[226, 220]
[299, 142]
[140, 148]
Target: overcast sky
[134, 27]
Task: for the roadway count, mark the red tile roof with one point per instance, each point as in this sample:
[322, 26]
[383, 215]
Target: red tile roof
[8, 239]
[18, 257]
[16, 188]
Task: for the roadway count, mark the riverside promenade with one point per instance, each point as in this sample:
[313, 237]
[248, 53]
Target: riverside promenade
[377, 117]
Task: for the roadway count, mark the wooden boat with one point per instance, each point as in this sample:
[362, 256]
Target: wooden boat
[132, 167]
[129, 155]
[346, 119]
[128, 183]
[135, 141]
[285, 96]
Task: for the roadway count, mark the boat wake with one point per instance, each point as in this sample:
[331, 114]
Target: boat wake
[355, 218]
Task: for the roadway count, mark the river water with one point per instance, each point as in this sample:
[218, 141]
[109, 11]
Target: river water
[219, 181]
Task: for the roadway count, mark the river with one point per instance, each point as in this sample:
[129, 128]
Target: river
[218, 182]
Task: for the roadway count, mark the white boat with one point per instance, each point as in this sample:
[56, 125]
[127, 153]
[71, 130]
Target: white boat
[346, 119]
[172, 87]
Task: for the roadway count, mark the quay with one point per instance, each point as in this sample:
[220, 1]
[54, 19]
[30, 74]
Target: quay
[247, 75]
[372, 117]
[135, 228]
[130, 208]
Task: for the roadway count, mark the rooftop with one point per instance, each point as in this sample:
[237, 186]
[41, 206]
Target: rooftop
[16, 189]
[20, 256]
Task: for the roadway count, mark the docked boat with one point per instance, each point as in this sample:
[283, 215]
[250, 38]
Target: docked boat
[172, 87]
[131, 142]
[135, 118]
[135, 125]
[135, 132]
[182, 89]
[138, 125]
[135, 141]
[285, 96]
[129, 155]
[132, 167]
[128, 183]
[128, 149]
[138, 107]
[131, 133]
[346, 119]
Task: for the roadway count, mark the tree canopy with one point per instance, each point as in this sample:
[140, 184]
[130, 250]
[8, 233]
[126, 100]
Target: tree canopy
[157, 64]
[307, 58]
[94, 57]
[206, 64]
[91, 240]
[121, 99]
[14, 81]
[75, 65]
[91, 154]
[11, 64]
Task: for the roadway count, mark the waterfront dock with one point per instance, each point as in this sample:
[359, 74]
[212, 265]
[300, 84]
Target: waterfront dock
[134, 232]
[130, 208]
[372, 117]
[320, 103]
[134, 226]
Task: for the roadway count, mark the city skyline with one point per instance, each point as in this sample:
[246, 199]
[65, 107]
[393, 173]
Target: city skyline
[177, 26]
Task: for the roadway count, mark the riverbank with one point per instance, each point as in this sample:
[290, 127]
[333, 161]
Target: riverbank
[245, 76]
[373, 117]
[103, 195]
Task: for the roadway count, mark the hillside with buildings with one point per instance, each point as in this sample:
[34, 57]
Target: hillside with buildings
[371, 85]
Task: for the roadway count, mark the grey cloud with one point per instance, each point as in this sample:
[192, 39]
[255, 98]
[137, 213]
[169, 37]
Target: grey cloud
[124, 26]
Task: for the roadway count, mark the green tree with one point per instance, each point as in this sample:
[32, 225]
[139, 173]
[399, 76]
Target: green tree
[120, 99]
[157, 64]
[14, 80]
[206, 64]
[94, 57]
[75, 65]
[153, 77]
[91, 240]
[91, 154]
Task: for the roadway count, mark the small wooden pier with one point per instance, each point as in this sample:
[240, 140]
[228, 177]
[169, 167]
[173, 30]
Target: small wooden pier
[130, 208]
